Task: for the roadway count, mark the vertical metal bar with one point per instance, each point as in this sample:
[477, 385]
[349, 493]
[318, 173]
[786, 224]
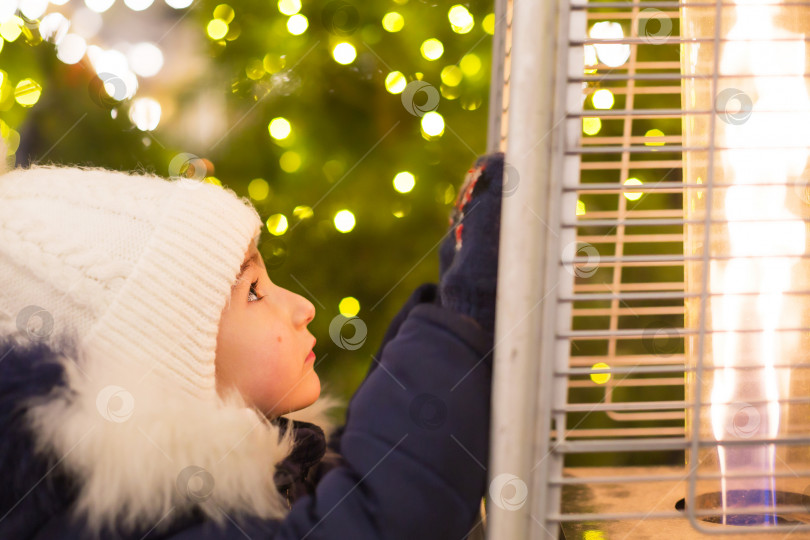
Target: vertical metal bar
[498, 77]
[526, 277]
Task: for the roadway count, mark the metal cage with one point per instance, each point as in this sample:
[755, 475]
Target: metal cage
[612, 355]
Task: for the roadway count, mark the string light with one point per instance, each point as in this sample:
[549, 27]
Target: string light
[344, 221]
[470, 64]
[27, 92]
[344, 53]
[451, 75]
[289, 7]
[461, 20]
[602, 99]
[433, 124]
[591, 125]
[258, 189]
[297, 24]
[276, 224]
[395, 82]
[393, 21]
[349, 306]
[279, 128]
[488, 24]
[404, 182]
[632, 195]
[290, 161]
[432, 49]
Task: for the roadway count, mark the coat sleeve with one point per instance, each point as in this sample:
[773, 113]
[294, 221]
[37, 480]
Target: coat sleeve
[424, 293]
[415, 443]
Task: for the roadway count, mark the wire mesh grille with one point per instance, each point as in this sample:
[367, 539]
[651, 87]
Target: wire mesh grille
[623, 429]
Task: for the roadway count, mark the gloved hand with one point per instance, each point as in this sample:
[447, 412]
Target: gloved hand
[468, 255]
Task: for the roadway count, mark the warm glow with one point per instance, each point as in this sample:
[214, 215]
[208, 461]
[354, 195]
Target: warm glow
[767, 152]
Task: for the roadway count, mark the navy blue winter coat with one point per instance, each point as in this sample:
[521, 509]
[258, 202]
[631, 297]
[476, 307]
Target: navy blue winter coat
[408, 463]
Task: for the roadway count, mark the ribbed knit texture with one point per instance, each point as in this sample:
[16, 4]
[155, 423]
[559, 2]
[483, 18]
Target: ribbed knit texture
[137, 267]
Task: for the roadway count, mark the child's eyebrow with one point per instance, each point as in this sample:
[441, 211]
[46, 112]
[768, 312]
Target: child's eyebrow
[252, 261]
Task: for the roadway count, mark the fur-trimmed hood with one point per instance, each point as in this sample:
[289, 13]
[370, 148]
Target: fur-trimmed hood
[120, 451]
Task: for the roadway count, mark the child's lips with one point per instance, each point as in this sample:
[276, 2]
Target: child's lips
[311, 357]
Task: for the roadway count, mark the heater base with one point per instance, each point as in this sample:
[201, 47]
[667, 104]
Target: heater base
[645, 497]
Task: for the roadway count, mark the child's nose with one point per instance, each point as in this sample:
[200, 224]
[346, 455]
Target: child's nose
[305, 311]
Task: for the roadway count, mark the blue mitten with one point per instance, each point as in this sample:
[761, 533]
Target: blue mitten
[468, 255]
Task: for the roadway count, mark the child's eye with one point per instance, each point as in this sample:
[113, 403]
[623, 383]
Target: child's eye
[253, 292]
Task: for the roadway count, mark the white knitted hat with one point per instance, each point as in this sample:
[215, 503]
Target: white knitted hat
[138, 268]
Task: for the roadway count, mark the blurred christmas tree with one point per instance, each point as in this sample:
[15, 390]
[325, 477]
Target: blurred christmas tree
[349, 124]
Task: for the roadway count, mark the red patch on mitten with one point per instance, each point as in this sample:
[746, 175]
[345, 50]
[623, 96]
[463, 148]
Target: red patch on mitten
[464, 197]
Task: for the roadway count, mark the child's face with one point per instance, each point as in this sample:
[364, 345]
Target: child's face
[263, 343]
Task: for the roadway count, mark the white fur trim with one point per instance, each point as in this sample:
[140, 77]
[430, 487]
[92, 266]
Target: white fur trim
[130, 442]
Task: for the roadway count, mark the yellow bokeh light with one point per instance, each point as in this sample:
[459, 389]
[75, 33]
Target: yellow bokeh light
[273, 63]
[297, 24]
[470, 64]
[654, 133]
[488, 24]
[404, 182]
[224, 12]
[593, 534]
[213, 180]
[344, 221]
[461, 20]
[393, 21]
[349, 306]
[395, 82]
[580, 208]
[450, 92]
[290, 161]
[258, 189]
[591, 126]
[254, 69]
[11, 28]
[433, 124]
[289, 7]
[276, 224]
[432, 49]
[303, 212]
[451, 75]
[279, 128]
[602, 99]
[600, 378]
[217, 29]
[27, 92]
[344, 53]
[633, 195]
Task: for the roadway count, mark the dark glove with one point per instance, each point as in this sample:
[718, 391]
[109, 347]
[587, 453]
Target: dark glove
[468, 255]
